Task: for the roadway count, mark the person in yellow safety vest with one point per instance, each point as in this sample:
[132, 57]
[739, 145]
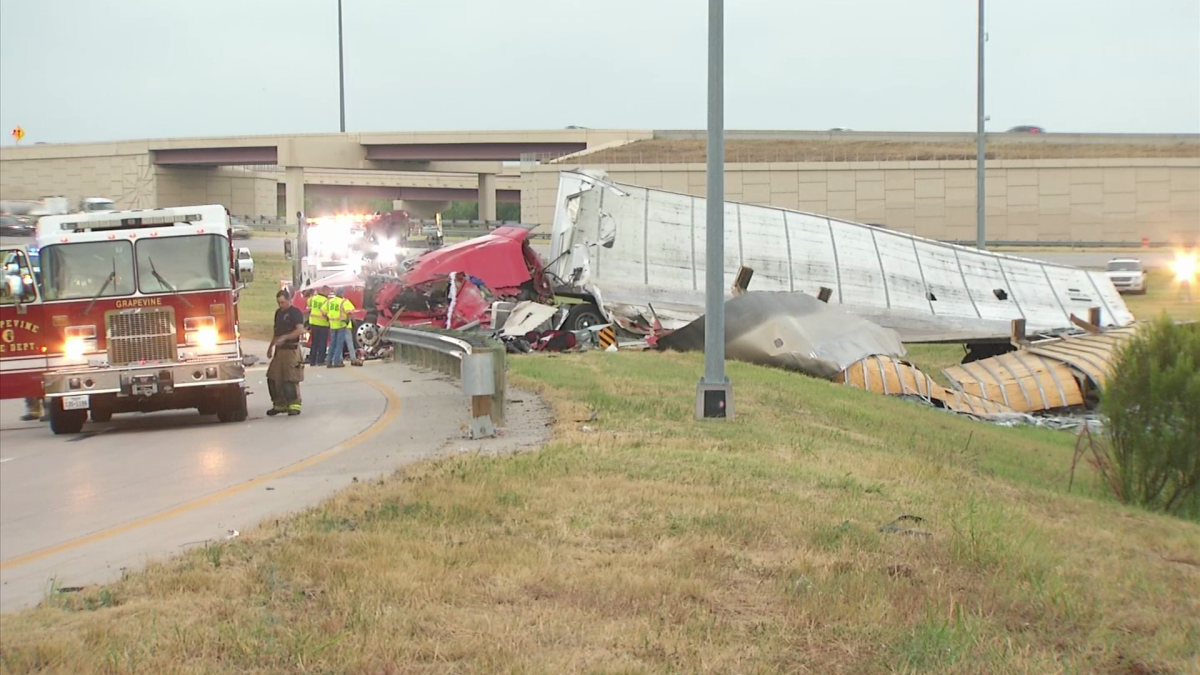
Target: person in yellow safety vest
[337, 310]
[318, 326]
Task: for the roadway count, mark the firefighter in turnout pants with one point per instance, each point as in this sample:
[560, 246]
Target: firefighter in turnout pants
[286, 371]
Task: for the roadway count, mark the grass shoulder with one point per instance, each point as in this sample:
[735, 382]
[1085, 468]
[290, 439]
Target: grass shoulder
[642, 541]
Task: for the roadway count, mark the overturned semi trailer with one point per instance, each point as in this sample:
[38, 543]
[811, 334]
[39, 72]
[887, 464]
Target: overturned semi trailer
[629, 248]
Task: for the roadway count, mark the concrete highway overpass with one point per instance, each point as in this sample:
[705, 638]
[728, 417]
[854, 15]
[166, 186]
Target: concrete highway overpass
[1048, 187]
[243, 172]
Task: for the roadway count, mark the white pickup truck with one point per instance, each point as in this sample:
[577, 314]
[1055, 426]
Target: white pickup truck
[245, 265]
[1127, 275]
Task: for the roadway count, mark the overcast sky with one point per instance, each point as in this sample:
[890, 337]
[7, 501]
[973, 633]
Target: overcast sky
[90, 70]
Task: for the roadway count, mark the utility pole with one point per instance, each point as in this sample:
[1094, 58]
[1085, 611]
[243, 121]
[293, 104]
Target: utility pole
[980, 171]
[341, 70]
[714, 394]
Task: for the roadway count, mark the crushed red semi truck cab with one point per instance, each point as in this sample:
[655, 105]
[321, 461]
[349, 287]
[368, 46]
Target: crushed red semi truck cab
[500, 265]
[135, 311]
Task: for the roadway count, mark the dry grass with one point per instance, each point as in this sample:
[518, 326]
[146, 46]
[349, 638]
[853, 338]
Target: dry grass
[738, 151]
[647, 543]
[256, 305]
[1162, 295]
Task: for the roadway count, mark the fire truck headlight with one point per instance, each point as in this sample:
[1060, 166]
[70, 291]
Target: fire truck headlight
[75, 348]
[206, 338]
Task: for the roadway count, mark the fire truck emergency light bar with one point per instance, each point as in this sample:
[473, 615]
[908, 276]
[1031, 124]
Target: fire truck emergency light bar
[143, 221]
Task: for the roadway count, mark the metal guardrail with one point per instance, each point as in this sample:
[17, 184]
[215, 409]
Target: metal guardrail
[478, 362]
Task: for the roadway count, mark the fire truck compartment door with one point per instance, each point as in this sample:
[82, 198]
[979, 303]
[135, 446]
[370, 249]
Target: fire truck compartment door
[23, 335]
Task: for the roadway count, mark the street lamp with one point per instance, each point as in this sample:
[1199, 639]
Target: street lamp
[714, 394]
[341, 70]
[980, 118]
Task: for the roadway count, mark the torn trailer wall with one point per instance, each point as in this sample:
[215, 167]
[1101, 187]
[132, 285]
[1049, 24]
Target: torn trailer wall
[792, 331]
[636, 246]
[891, 377]
[1045, 375]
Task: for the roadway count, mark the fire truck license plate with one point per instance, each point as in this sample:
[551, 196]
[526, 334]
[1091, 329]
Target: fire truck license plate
[75, 402]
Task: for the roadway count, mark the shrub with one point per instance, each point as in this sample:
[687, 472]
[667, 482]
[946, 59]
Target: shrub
[1152, 405]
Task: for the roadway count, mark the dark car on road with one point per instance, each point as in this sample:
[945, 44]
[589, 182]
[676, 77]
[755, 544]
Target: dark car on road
[1027, 129]
[12, 226]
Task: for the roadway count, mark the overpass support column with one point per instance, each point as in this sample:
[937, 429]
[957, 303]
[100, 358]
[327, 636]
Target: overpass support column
[293, 186]
[294, 191]
[487, 196]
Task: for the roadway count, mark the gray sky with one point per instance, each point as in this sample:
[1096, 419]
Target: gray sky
[88, 70]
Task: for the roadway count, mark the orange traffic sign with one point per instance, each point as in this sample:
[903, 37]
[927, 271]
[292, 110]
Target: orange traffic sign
[18, 133]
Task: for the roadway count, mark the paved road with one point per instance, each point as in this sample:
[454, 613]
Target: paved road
[1097, 259]
[80, 509]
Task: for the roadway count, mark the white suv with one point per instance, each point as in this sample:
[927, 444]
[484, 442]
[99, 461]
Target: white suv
[1127, 275]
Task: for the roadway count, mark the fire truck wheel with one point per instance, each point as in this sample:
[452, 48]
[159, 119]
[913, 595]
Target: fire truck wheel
[233, 405]
[65, 421]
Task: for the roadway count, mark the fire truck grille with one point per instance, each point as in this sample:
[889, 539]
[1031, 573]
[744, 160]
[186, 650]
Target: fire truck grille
[141, 336]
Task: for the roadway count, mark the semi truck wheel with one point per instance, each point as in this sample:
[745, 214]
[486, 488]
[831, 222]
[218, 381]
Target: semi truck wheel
[583, 316]
[65, 421]
[232, 406]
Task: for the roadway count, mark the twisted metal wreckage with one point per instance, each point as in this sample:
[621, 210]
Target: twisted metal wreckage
[832, 298]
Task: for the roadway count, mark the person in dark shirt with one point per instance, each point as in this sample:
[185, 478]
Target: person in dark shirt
[286, 371]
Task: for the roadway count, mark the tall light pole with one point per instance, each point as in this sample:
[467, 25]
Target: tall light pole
[341, 70]
[980, 192]
[714, 394]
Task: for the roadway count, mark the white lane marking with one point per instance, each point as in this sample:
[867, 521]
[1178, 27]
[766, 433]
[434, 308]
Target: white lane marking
[6, 459]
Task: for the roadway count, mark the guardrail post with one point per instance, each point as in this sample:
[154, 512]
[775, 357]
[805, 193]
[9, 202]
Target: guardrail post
[499, 375]
[479, 382]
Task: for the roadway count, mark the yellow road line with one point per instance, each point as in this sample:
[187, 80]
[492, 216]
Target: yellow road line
[390, 412]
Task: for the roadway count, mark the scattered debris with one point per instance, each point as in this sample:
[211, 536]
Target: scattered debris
[1061, 372]
[526, 317]
[793, 331]
[889, 376]
[895, 527]
[249, 360]
[231, 534]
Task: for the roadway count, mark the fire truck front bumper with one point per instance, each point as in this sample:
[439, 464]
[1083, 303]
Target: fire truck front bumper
[143, 380]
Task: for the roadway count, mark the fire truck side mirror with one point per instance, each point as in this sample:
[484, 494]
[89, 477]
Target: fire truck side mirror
[287, 249]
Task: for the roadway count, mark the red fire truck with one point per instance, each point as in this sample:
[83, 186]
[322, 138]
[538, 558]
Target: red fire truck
[137, 312]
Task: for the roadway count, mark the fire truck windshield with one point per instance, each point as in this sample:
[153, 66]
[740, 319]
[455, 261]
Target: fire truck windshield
[79, 271]
[191, 263]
